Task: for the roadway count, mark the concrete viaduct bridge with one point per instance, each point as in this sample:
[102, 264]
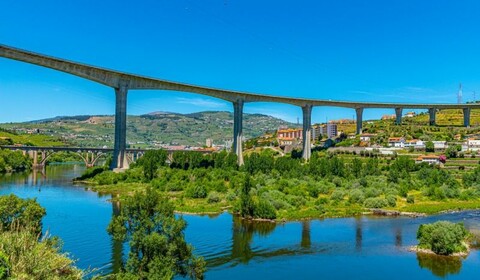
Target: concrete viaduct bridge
[123, 82]
[89, 156]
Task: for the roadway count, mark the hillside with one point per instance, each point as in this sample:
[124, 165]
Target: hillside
[147, 130]
[8, 138]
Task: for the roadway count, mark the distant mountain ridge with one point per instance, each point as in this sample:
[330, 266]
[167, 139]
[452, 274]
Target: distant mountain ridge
[152, 129]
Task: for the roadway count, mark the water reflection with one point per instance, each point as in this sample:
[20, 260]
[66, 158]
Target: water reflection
[306, 241]
[243, 232]
[117, 246]
[440, 265]
[358, 234]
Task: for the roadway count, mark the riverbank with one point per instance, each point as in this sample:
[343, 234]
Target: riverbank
[201, 206]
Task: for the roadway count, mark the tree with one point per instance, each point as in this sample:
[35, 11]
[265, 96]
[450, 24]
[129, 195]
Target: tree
[21, 213]
[442, 237]
[451, 152]
[429, 147]
[158, 249]
[151, 161]
[247, 205]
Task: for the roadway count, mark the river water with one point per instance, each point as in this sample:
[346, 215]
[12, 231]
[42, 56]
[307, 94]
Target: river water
[346, 248]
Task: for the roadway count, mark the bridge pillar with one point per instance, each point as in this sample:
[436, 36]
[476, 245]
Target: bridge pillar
[359, 112]
[307, 131]
[432, 114]
[237, 129]
[398, 115]
[466, 117]
[35, 158]
[120, 145]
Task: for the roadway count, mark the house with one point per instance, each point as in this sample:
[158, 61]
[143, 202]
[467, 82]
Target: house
[366, 137]
[398, 142]
[439, 145]
[410, 114]
[287, 141]
[415, 143]
[289, 136]
[430, 159]
[472, 144]
[388, 117]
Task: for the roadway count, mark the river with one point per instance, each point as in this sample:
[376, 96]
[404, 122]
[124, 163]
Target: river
[344, 248]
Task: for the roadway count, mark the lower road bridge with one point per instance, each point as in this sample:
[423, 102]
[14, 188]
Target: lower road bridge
[89, 156]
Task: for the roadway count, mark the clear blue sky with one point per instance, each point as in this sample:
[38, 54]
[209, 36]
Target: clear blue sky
[393, 51]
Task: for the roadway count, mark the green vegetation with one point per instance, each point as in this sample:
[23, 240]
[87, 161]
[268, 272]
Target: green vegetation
[157, 246]
[443, 238]
[271, 187]
[24, 253]
[13, 161]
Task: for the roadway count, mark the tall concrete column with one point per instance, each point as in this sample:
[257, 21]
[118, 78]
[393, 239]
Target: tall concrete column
[359, 112]
[398, 115]
[237, 129]
[432, 114]
[35, 158]
[120, 145]
[466, 117]
[307, 131]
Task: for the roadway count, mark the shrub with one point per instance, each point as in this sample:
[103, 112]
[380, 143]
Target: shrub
[231, 195]
[337, 195]
[391, 200]
[33, 259]
[356, 196]
[410, 199]
[442, 237]
[196, 191]
[213, 197]
[375, 202]
[277, 199]
[265, 210]
[372, 192]
[321, 201]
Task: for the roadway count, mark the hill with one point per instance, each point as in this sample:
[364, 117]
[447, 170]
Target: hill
[149, 129]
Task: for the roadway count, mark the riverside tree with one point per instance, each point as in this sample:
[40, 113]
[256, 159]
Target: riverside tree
[158, 249]
[442, 237]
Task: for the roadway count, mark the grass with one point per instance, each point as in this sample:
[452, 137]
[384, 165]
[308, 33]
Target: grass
[434, 207]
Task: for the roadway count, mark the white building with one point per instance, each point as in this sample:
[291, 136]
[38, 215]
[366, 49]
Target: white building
[209, 143]
[440, 145]
[430, 159]
[397, 142]
[331, 130]
[472, 144]
[366, 137]
[317, 131]
[415, 143]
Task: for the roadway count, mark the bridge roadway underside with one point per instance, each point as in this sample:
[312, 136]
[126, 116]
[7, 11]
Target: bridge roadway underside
[123, 82]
